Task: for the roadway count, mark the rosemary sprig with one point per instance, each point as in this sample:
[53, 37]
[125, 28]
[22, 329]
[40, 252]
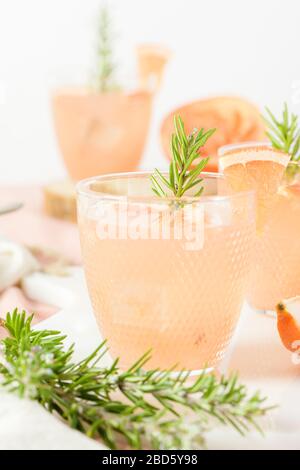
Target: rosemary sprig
[104, 75]
[185, 149]
[136, 408]
[284, 133]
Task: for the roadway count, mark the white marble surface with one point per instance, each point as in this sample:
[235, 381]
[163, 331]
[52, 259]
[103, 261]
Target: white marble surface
[25, 425]
[255, 352]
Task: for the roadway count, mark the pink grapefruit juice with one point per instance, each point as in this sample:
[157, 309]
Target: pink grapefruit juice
[164, 294]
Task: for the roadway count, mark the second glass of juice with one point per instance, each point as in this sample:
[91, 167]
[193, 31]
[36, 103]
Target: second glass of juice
[164, 274]
[275, 273]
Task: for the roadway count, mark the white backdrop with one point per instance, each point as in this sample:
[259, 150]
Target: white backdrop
[248, 48]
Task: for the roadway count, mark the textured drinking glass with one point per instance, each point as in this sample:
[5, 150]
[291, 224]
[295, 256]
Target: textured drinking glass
[276, 268]
[100, 132]
[165, 275]
[275, 273]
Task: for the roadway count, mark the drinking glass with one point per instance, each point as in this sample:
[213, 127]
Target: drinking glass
[275, 272]
[164, 274]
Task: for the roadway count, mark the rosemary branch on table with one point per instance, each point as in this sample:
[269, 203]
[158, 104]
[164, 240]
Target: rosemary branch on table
[185, 150]
[284, 133]
[135, 408]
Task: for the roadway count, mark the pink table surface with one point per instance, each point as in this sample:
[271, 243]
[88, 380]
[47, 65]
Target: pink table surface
[31, 226]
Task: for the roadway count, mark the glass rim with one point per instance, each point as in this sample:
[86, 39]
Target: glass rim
[242, 145]
[222, 151]
[83, 189]
[294, 162]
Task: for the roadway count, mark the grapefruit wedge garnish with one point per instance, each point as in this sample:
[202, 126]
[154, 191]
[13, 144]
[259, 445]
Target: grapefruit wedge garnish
[288, 323]
[254, 167]
[152, 59]
[236, 120]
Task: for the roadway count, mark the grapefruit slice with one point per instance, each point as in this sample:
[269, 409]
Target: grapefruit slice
[152, 59]
[288, 318]
[254, 166]
[235, 119]
[294, 189]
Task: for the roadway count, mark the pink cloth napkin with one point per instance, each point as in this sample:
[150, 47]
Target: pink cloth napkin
[32, 227]
[14, 297]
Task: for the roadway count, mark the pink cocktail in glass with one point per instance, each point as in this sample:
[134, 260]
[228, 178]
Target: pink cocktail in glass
[164, 274]
[275, 273]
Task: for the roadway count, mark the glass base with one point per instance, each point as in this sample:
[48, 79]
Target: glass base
[191, 373]
[269, 313]
[174, 373]
[194, 373]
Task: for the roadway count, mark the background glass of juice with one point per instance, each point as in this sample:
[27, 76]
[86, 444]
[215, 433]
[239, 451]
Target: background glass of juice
[165, 275]
[275, 273]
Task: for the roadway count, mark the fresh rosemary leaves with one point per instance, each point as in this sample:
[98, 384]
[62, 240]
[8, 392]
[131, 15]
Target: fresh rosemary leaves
[135, 408]
[104, 75]
[185, 150]
[284, 134]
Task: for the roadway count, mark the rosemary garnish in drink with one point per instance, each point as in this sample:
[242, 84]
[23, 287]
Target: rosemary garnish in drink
[185, 150]
[104, 74]
[284, 134]
[146, 409]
